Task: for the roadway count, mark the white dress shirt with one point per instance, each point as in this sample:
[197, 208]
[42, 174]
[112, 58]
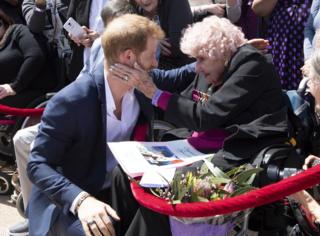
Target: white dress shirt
[116, 130]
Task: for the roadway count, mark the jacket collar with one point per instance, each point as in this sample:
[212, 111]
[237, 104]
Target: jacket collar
[99, 81]
[242, 55]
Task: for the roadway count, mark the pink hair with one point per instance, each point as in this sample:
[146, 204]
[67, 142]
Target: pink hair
[213, 37]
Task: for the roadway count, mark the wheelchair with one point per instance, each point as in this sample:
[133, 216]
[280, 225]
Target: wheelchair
[12, 120]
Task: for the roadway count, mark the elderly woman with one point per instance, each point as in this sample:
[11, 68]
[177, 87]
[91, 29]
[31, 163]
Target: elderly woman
[235, 103]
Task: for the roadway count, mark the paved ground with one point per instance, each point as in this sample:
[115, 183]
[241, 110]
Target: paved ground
[8, 215]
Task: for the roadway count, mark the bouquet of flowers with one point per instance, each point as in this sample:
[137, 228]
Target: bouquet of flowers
[207, 183]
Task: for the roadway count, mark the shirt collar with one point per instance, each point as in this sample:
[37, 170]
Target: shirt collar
[109, 98]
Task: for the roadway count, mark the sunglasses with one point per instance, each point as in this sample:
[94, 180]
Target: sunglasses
[1, 23]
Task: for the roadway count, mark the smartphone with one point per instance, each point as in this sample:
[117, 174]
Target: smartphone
[74, 28]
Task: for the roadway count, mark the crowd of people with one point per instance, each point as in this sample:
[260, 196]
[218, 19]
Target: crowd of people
[217, 70]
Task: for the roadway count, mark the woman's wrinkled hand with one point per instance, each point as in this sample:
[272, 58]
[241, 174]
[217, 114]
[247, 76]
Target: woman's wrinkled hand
[6, 90]
[135, 77]
[260, 44]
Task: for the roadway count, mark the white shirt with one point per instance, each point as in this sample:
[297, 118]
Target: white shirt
[116, 130]
[119, 130]
[95, 22]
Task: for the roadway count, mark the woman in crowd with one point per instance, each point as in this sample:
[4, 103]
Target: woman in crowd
[313, 24]
[45, 19]
[21, 63]
[285, 34]
[173, 16]
[313, 73]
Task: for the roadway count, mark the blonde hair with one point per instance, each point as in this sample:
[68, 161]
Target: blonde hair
[128, 32]
[213, 37]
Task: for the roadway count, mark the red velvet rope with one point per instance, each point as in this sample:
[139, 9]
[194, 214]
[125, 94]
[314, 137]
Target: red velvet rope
[21, 111]
[255, 198]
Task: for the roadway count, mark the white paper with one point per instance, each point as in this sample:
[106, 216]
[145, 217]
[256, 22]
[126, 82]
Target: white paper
[138, 157]
[156, 179]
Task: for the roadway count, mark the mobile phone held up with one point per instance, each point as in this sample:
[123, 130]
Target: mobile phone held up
[74, 28]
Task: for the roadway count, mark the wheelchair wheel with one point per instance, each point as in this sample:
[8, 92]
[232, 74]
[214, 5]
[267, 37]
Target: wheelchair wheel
[6, 145]
[20, 205]
[5, 184]
[25, 122]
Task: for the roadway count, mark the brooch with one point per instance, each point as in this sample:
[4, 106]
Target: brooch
[199, 96]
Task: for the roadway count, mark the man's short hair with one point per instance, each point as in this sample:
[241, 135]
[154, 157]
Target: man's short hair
[128, 32]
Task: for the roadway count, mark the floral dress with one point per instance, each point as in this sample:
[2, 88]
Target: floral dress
[285, 33]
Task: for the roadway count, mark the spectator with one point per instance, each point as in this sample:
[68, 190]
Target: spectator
[285, 34]
[46, 18]
[313, 24]
[22, 63]
[173, 16]
[313, 65]
[249, 21]
[87, 14]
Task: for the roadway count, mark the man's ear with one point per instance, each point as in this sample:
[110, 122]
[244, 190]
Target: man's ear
[127, 57]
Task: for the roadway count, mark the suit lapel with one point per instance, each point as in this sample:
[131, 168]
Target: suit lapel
[99, 81]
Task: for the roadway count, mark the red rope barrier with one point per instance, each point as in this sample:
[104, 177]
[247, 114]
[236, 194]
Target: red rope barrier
[21, 111]
[255, 198]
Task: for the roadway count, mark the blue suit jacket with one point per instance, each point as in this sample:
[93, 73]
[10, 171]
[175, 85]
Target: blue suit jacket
[67, 154]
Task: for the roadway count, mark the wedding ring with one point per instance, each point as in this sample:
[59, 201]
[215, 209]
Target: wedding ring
[126, 78]
[91, 222]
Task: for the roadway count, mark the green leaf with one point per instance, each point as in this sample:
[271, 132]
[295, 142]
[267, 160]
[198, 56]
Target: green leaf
[202, 199]
[194, 197]
[215, 170]
[215, 196]
[204, 169]
[234, 171]
[175, 202]
[241, 190]
[219, 181]
[154, 192]
[245, 175]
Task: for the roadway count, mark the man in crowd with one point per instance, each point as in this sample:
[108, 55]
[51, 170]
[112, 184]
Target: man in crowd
[70, 164]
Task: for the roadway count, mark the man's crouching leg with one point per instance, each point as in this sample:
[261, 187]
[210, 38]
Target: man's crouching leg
[123, 202]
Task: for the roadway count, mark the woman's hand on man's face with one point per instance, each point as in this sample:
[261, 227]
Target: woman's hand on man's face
[135, 77]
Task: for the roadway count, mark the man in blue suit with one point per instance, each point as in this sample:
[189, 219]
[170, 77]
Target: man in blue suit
[70, 164]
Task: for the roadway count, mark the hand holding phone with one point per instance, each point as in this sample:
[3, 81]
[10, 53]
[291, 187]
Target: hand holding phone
[73, 28]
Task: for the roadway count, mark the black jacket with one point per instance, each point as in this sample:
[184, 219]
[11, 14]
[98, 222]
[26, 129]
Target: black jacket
[249, 105]
[78, 10]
